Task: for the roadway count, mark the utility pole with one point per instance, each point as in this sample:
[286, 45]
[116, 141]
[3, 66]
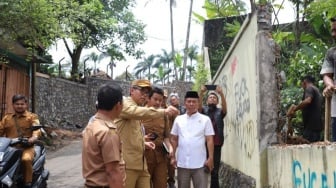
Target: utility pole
[60, 67]
[111, 67]
[126, 76]
[85, 72]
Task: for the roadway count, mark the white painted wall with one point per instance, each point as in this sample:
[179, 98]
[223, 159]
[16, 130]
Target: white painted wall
[302, 166]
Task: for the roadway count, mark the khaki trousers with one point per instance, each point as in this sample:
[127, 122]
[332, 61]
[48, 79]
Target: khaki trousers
[137, 179]
[27, 164]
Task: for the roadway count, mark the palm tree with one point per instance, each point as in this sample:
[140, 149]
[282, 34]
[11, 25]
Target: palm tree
[171, 4]
[165, 59]
[185, 57]
[144, 66]
[114, 53]
[162, 72]
[190, 69]
[192, 54]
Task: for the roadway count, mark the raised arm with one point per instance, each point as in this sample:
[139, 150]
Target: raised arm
[201, 97]
[223, 100]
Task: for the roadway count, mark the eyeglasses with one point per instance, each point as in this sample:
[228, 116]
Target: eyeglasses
[144, 91]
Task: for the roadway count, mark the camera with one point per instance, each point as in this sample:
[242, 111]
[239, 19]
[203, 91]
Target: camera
[211, 87]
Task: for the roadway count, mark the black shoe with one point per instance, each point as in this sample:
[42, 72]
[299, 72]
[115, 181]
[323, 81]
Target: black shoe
[171, 185]
[28, 185]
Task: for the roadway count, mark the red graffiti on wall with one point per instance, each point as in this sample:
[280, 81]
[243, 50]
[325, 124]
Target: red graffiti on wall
[234, 65]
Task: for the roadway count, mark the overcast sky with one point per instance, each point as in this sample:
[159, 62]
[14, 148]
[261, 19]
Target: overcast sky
[155, 14]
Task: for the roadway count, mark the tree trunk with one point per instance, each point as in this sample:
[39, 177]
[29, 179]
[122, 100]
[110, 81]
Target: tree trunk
[172, 36]
[185, 58]
[297, 26]
[75, 61]
[75, 56]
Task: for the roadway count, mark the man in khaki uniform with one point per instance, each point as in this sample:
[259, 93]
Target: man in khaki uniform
[102, 161]
[19, 124]
[132, 134]
[157, 158]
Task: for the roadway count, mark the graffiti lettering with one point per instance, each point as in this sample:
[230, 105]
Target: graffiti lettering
[242, 100]
[245, 136]
[309, 178]
[223, 83]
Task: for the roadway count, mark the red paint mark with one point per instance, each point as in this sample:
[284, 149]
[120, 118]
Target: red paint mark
[234, 65]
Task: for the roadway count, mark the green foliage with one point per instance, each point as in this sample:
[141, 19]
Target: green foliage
[321, 8]
[230, 11]
[201, 74]
[29, 22]
[290, 96]
[232, 28]
[223, 8]
[109, 26]
[307, 60]
[307, 56]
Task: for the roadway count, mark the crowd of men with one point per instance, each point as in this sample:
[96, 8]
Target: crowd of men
[140, 141]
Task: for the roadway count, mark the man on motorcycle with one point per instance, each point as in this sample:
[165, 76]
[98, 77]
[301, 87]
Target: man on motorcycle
[19, 124]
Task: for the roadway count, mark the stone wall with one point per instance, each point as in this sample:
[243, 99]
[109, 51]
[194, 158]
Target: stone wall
[232, 178]
[62, 103]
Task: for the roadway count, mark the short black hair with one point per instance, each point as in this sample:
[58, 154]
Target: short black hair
[108, 96]
[18, 97]
[333, 19]
[157, 90]
[212, 93]
[308, 78]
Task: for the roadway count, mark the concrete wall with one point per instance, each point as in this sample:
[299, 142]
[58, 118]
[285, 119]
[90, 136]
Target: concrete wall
[302, 166]
[250, 157]
[247, 76]
[238, 79]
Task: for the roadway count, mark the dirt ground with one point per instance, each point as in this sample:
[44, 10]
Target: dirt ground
[57, 138]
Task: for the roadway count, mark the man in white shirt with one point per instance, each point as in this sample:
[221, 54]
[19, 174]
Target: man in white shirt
[192, 134]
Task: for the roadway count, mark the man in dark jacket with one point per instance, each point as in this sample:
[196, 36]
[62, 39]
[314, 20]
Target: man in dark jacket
[216, 115]
[311, 106]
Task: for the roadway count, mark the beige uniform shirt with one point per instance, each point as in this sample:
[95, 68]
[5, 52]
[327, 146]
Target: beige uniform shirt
[101, 145]
[160, 126]
[132, 133]
[13, 126]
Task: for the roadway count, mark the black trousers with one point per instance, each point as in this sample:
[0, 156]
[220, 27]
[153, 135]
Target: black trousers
[214, 174]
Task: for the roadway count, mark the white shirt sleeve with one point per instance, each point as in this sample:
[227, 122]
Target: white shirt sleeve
[208, 127]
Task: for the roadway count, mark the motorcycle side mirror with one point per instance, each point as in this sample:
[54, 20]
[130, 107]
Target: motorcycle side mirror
[36, 127]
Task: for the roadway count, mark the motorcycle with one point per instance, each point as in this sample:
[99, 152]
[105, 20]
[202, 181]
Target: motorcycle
[11, 174]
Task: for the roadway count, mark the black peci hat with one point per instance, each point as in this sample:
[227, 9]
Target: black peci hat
[191, 94]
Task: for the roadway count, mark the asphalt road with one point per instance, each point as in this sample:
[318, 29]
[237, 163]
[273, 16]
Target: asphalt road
[65, 166]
